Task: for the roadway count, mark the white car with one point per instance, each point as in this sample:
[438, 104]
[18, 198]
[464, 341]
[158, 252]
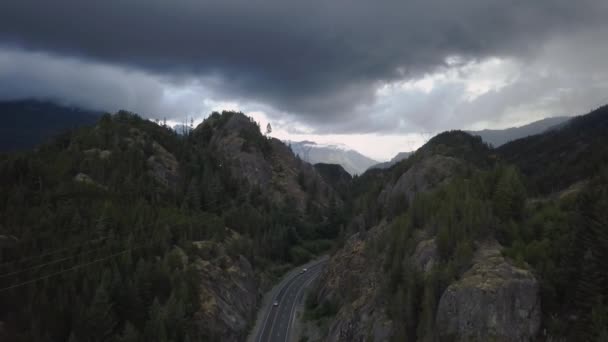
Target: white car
[276, 303]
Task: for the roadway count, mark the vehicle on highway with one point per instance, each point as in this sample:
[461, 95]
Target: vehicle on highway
[276, 303]
[303, 270]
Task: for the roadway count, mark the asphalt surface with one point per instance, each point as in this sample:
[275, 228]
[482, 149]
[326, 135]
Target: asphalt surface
[277, 324]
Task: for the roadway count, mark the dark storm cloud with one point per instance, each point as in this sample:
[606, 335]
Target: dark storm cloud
[319, 61]
[316, 58]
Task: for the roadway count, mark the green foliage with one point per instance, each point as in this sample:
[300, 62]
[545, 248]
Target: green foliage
[457, 214]
[558, 158]
[315, 311]
[458, 144]
[139, 234]
[254, 139]
[99, 320]
[565, 242]
[509, 195]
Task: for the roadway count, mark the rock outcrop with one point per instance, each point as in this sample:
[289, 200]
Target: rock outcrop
[97, 153]
[426, 255]
[228, 295]
[263, 162]
[352, 280]
[422, 176]
[84, 178]
[493, 301]
[163, 166]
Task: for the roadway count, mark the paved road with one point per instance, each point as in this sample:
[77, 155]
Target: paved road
[278, 320]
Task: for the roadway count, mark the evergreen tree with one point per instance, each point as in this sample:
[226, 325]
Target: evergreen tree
[509, 195]
[100, 320]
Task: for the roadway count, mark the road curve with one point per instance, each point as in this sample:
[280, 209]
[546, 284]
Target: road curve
[277, 322]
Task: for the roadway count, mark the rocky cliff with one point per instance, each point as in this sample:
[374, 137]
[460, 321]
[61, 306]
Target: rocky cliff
[229, 293]
[478, 298]
[493, 301]
[262, 162]
[352, 280]
[421, 177]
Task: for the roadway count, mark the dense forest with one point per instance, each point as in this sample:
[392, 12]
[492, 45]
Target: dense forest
[103, 230]
[563, 240]
[542, 200]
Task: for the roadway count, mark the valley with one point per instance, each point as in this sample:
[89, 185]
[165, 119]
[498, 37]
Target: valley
[189, 237]
[303, 171]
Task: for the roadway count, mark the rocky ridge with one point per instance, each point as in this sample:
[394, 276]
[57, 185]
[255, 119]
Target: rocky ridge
[493, 301]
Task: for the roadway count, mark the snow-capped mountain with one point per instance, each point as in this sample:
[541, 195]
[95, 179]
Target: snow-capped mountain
[352, 161]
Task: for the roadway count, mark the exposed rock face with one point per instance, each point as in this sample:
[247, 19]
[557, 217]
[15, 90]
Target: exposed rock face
[83, 178]
[249, 163]
[353, 279]
[95, 152]
[86, 179]
[228, 297]
[266, 163]
[422, 176]
[425, 255]
[494, 301]
[163, 166]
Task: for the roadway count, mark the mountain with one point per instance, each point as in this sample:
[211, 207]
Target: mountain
[27, 123]
[560, 157]
[336, 176]
[352, 161]
[262, 163]
[127, 231]
[498, 137]
[464, 242]
[399, 157]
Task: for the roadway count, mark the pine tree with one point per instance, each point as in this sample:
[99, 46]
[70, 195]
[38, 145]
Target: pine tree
[100, 319]
[156, 329]
[509, 195]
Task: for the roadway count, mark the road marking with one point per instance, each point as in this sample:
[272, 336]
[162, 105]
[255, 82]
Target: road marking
[292, 316]
[277, 292]
[291, 282]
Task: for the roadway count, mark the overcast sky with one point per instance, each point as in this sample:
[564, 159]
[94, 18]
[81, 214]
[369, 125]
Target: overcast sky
[375, 75]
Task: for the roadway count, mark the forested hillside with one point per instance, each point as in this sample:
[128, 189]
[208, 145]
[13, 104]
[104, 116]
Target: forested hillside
[498, 137]
[126, 231]
[557, 158]
[463, 242]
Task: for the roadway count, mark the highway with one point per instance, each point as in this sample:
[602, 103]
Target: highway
[277, 320]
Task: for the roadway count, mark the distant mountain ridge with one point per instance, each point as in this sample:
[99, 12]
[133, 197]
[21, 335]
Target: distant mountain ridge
[498, 137]
[557, 158]
[399, 157]
[352, 161]
[27, 123]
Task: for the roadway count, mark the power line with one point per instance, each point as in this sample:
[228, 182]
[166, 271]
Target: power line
[75, 245]
[53, 262]
[64, 271]
[52, 252]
